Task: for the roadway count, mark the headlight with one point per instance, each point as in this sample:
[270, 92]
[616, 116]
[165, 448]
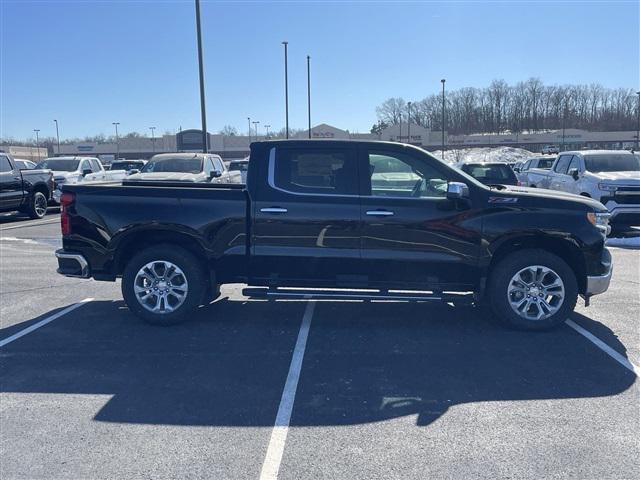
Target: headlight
[600, 221]
[607, 188]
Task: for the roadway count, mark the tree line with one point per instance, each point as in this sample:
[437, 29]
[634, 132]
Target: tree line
[527, 106]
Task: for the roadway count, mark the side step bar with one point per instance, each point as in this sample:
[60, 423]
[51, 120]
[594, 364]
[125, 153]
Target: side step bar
[257, 292]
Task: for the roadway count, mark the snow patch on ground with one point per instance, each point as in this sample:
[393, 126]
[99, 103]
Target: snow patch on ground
[485, 154]
[627, 242]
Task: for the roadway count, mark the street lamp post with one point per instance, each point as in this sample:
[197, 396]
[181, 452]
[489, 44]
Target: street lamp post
[443, 117]
[249, 123]
[400, 127]
[37, 143]
[267, 129]
[286, 90]
[255, 127]
[57, 136]
[309, 92]
[409, 122]
[115, 124]
[638, 124]
[205, 135]
[153, 139]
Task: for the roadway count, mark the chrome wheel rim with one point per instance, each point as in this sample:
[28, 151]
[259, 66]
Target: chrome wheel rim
[161, 287]
[40, 205]
[536, 292]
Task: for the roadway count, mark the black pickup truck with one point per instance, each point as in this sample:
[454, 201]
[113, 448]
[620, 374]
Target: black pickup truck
[340, 219]
[27, 191]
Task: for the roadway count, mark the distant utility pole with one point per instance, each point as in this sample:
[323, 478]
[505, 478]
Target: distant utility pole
[409, 122]
[443, 117]
[309, 92]
[400, 127]
[205, 135]
[115, 124]
[37, 143]
[267, 129]
[638, 124]
[153, 139]
[249, 123]
[57, 136]
[286, 91]
[255, 127]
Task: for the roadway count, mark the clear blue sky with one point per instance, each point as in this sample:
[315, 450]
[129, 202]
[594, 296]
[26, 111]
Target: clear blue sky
[91, 63]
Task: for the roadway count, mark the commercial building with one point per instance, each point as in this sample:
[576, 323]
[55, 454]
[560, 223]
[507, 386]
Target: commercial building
[25, 153]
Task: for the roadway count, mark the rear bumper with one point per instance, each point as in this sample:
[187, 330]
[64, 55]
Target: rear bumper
[72, 264]
[597, 284]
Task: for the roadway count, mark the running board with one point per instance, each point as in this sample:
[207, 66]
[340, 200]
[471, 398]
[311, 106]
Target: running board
[256, 292]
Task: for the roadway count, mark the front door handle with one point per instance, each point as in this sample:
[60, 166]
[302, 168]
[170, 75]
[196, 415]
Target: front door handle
[273, 210]
[379, 213]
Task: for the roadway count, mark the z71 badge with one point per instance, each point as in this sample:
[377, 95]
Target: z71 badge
[503, 200]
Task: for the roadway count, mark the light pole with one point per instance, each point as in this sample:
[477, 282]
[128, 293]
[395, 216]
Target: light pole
[57, 136]
[400, 127]
[409, 122]
[267, 129]
[286, 91]
[205, 135]
[443, 118]
[638, 124]
[115, 124]
[153, 139]
[255, 127]
[564, 117]
[309, 92]
[249, 123]
[37, 143]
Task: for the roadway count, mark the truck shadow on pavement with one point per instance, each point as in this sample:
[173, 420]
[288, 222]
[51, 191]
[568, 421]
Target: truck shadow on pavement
[364, 362]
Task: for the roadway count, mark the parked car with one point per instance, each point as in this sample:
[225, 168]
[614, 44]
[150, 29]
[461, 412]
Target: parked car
[24, 164]
[311, 216]
[27, 191]
[491, 173]
[129, 166]
[187, 167]
[241, 166]
[534, 169]
[517, 167]
[67, 170]
[550, 149]
[610, 176]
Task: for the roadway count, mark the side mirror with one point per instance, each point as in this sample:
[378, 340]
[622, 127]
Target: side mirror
[574, 173]
[133, 171]
[86, 171]
[457, 190]
[214, 174]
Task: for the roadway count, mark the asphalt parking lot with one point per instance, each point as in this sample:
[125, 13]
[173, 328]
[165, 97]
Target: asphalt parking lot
[384, 389]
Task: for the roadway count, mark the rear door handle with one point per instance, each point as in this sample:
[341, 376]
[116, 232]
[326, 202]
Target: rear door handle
[273, 210]
[379, 213]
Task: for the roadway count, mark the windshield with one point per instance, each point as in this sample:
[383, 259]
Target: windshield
[180, 165]
[60, 164]
[493, 172]
[612, 162]
[238, 166]
[126, 165]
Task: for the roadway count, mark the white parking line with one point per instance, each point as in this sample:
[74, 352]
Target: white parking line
[625, 362]
[43, 322]
[271, 464]
[33, 224]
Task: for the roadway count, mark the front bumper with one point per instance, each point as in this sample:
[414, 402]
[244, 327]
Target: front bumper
[623, 214]
[597, 284]
[57, 192]
[72, 264]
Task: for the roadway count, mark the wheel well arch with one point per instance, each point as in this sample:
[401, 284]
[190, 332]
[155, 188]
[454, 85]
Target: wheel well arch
[565, 249]
[585, 194]
[42, 188]
[138, 241]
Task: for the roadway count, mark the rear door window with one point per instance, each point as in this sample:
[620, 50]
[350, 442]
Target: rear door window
[5, 165]
[322, 171]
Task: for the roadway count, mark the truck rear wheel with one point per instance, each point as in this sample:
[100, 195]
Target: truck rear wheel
[37, 207]
[163, 284]
[532, 290]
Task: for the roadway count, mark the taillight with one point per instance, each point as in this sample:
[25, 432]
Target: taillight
[66, 200]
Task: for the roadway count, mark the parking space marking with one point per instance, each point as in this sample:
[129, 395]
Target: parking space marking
[25, 225]
[625, 362]
[43, 322]
[272, 460]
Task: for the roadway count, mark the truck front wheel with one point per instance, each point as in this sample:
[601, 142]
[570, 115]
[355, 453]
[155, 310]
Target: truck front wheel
[532, 290]
[163, 284]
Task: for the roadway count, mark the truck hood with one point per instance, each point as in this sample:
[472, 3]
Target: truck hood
[167, 176]
[549, 194]
[624, 178]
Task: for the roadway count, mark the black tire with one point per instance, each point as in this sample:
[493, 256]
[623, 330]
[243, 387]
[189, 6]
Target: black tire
[513, 263]
[37, 207]
[190, 266]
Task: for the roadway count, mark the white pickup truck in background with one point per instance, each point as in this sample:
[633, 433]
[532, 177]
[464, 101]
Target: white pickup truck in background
[610, 176]
[534, 169]
[69, 170]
